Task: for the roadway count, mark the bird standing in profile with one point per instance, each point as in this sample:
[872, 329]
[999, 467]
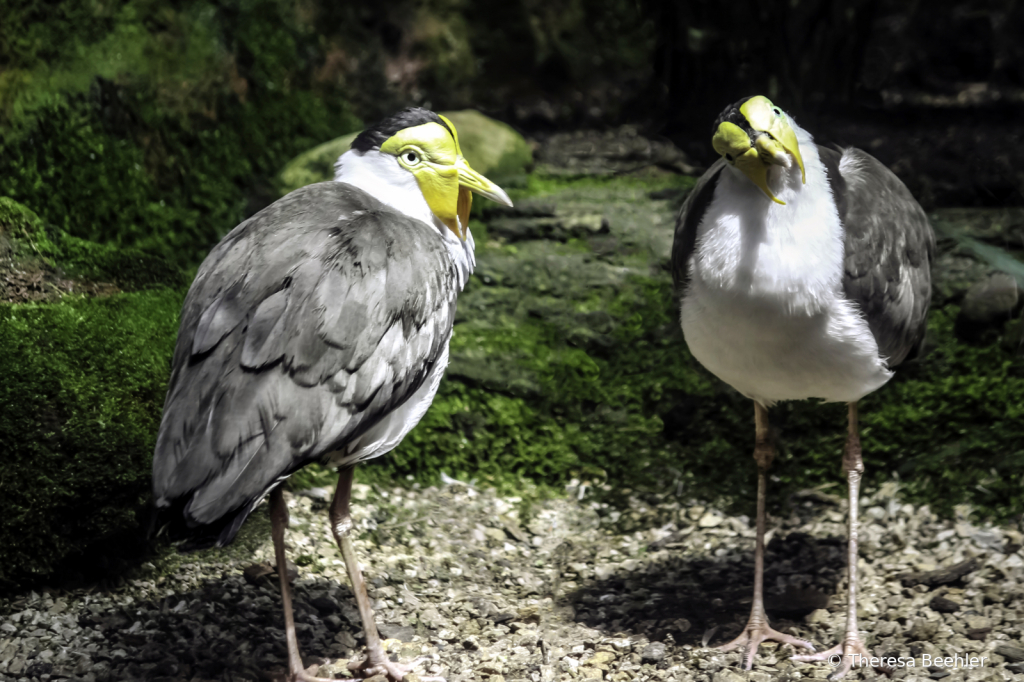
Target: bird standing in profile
[803, 272]
[317, 331]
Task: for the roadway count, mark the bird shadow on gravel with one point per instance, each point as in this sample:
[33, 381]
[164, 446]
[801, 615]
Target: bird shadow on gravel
[227, 629]
[704, 599]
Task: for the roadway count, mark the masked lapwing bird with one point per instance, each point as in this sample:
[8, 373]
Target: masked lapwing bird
[802, 272]
[317, 331]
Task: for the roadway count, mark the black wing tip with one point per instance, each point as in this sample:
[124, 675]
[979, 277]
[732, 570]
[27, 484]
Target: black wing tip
[173, 519]
[172, 523]
[378, 133]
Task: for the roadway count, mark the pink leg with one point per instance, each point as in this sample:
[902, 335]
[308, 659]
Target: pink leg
[278, 522]
[852, 649]
[377, 661]
[757, 629]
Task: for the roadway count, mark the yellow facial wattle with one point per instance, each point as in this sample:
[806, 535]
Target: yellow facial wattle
[432, 154]
[771, 140]
[733, 143]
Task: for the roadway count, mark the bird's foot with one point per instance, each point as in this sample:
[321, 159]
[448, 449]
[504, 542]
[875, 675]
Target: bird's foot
[843, 657]
[381, 665]
[756, 633]
[307, 675]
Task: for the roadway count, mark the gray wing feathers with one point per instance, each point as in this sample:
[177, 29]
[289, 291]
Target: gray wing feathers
[303, 328]
[218, 320]
[889, 246]
[690, 215]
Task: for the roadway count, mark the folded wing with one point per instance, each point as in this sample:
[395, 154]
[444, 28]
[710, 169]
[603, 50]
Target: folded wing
[305, 326]
[889, 246]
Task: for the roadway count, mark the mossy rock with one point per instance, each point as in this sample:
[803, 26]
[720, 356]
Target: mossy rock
[84, 365]
[22, 233]
[40, 263]
[491, 147]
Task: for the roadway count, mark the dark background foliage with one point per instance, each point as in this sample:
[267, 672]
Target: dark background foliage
[159, 124]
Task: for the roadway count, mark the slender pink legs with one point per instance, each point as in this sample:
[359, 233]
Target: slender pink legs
[278, 522]
[377, 661]
[852, 649]
[757, 629]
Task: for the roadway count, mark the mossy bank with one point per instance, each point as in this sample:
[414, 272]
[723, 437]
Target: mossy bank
[141, 124]
[86, 343]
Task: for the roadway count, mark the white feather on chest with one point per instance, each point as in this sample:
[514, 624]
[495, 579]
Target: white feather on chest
[764, 310]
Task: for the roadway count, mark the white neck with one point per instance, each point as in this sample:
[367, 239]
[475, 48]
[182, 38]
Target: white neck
[380, 175]
[754, 248]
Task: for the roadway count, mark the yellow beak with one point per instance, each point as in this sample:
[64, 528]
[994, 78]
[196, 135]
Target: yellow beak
[449, 193]
[733, 143]
[470, 181]
[759, 112]
[773, 142]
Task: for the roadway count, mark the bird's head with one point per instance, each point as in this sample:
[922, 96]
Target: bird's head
[753, 135]
[426, 145]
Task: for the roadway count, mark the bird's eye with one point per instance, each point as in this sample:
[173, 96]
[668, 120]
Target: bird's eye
[411, 157]
[728, 157]
[778, 112]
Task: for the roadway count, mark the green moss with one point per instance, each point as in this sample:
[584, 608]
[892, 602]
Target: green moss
[84, 383]
[160, 128]
[23, 232]
[594, 412]
[952, 427]
[542, 185]
[177, 198]
[129, 268]
[77, 258]
[112, 42]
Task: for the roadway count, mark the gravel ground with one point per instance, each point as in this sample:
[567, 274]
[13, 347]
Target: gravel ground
[575, 590]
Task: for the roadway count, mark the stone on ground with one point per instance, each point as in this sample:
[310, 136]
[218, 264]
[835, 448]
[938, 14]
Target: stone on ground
[491, 147]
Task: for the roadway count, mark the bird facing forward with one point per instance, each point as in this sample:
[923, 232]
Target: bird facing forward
[317, 331]
[803, 272]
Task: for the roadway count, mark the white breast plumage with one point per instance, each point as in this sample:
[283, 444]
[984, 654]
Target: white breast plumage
[764, 308]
